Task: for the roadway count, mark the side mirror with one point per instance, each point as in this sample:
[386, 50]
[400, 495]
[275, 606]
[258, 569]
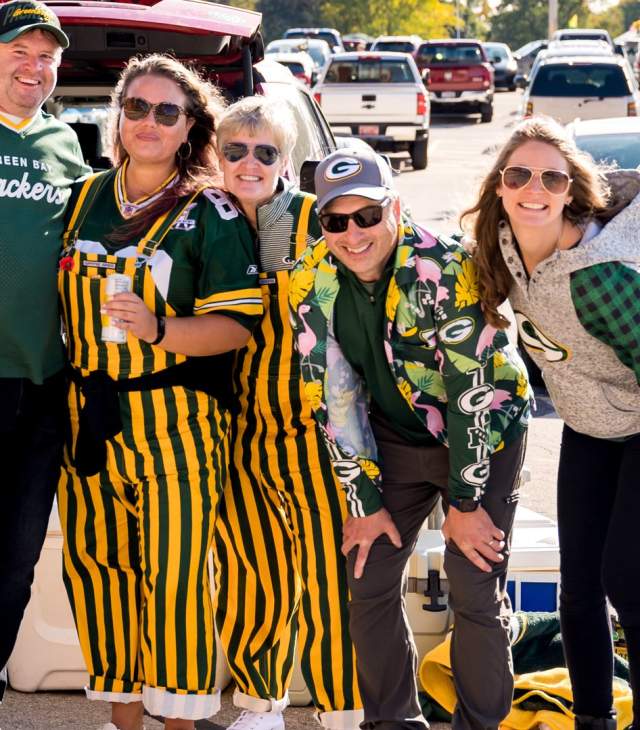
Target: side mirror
[425, 74]
[521, 81]
[496, 59]
[307, 172]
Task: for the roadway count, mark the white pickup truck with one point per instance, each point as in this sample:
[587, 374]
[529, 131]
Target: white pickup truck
[379, 97]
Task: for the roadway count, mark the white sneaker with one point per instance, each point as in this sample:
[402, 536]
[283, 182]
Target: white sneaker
[258, 721]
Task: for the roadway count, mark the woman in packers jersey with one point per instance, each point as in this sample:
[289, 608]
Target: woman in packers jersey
[147, 457]
[280, 570]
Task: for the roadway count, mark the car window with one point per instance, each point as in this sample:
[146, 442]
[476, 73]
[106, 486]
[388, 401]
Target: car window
[576, 81]
[294, 66]
[369, 71]
[314, 140]
[433, 53]
[331, 39]
[497, 51]
[398, 46]
[583, 37]
[622, 150]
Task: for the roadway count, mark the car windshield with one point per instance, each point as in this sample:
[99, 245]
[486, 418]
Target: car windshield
[329, 37]
[449, 53]
[369, 71]
[399, 46]
[527, 48]
[597, 80]
[619, 149]
[500, 51]
[584, 37]
[294, 66]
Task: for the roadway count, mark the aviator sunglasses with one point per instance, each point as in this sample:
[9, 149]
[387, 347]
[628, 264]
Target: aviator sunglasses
[165, 113]
[516, 177]
[366, 217]
[265, 153]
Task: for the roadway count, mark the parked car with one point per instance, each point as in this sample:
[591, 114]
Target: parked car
[584, 87]
[398, 43]
[223, 41]
[300, 65]
[319, 50]
[331, 35]
[562, 49]
[526, 55]
[357, 42]
[505, 66]
[583, 34]
[460, 78]
[613, 141]
[379, 97]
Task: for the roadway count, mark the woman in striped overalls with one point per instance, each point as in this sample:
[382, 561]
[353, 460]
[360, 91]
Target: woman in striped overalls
[147, 453]
[280, 571]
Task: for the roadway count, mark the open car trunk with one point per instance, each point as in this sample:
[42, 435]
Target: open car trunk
[222, 41]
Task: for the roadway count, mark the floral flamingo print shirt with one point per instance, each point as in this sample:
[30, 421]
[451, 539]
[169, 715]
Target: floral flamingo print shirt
[465, 383]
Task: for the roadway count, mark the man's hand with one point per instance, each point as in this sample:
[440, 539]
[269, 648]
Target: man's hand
[476, 535]
[363, 531]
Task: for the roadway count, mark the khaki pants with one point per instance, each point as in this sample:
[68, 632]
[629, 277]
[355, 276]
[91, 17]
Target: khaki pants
[414, 478]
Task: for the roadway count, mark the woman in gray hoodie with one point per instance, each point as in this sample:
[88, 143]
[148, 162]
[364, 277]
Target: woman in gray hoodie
[561, 240]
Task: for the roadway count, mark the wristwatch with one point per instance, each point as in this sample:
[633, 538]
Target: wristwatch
[161, 330]
[465, 505]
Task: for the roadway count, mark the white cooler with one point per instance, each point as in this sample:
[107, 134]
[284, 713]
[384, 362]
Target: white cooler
[533, 581]
[47, 652]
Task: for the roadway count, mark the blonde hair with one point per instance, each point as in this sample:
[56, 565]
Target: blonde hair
[589, 192]
[257, 114]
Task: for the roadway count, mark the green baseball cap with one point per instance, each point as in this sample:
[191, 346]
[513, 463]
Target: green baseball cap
[21, 16]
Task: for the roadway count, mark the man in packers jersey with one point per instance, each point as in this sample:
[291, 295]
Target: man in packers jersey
[280, 572]
[147, 459]
[40, 159]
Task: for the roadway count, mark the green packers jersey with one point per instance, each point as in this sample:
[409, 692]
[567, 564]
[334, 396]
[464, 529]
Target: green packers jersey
[39, 161]
[201, 262]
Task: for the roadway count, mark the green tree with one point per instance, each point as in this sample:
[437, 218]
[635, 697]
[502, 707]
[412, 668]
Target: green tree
[518, 21]
[426, 18]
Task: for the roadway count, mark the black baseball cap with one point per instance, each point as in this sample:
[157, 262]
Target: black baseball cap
[21, 16]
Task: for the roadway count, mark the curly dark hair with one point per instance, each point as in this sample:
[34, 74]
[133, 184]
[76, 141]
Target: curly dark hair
[590, 196]
[204, 106]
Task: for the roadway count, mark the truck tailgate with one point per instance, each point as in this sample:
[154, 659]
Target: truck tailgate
[368, 103]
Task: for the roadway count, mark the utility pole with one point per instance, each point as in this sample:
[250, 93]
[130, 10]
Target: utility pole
[457, 18]
[553, 17]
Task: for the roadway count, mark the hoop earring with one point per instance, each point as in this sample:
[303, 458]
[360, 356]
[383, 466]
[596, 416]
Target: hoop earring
[184, 151]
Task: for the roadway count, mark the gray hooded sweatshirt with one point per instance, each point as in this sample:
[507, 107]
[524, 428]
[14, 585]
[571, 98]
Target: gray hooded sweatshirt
[578, 315]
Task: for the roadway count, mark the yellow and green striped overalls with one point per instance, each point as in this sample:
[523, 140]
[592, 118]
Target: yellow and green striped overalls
[280, 573]
[138, 533]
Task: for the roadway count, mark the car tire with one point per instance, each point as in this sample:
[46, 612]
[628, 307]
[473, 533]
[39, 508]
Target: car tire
[419, 154]
[486, 113]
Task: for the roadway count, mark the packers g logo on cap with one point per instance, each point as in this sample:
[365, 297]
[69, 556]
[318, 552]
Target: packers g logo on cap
[343, 168]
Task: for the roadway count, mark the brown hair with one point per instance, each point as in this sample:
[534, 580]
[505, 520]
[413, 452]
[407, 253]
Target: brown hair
[589, 192]
[198, 167]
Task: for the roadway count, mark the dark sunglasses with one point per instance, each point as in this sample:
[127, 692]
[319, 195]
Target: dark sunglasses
[366, 217]
[265, 153]
[164, 112]
[516, 177]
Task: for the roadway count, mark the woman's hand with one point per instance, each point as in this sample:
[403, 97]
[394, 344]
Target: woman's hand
[133, 315]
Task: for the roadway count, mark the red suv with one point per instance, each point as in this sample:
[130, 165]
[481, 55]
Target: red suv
[223, 41]
[460, 77]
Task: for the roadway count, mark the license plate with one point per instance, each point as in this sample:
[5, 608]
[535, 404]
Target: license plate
[447, 94]
[365, 129]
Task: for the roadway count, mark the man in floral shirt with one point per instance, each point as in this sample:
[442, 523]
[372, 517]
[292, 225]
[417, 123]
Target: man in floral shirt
[399, 364]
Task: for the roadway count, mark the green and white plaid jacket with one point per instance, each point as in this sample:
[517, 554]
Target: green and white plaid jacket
[579, 317]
